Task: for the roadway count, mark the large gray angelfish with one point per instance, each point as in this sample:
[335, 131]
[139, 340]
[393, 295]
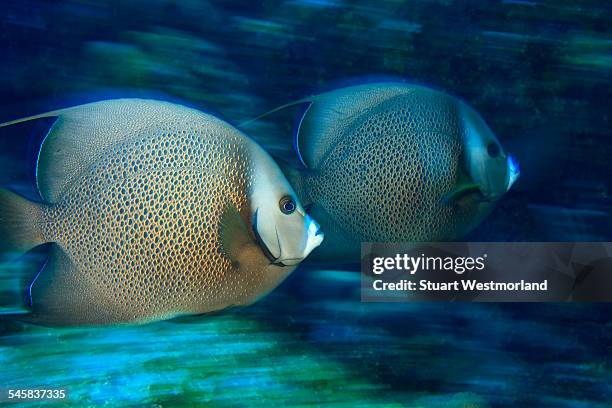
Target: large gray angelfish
[390, 162]
[154, 210]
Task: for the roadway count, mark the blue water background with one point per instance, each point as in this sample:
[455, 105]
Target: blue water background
[540, 73]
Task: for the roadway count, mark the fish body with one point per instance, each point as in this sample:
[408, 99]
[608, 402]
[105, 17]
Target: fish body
[391, 162]
[151, 209]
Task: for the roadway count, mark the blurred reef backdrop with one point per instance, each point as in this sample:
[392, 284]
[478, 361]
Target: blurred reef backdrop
[539, 72]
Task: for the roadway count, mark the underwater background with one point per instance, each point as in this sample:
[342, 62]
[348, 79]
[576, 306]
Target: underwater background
[539, 72]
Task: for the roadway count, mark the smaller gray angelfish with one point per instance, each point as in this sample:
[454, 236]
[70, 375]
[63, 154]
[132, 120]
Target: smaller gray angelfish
[154, 210]
[391, 162]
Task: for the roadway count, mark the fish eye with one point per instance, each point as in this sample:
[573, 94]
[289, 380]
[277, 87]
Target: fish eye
[287, 205]
[493, 150]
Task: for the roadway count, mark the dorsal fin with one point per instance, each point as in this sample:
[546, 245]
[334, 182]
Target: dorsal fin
[325, 116]
[273, 133]
[82, 133]
[330, 113]
[268, 113]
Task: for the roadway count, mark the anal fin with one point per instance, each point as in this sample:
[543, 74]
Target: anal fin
[61, 295]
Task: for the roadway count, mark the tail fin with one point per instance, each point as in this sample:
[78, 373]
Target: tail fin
[20, 225]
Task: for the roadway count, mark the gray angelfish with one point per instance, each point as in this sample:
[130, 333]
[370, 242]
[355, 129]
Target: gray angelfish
[390, 162]
[154, 210]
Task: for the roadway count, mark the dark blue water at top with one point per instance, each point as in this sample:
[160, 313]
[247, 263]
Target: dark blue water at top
[539, 72]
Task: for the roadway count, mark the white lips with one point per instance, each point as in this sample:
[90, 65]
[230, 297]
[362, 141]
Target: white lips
[514, 171]
[315, 236]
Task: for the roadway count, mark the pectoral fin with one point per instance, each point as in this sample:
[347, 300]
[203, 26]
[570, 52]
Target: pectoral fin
[234, 233]
[61, 295]
[459, 192]
[82, 133]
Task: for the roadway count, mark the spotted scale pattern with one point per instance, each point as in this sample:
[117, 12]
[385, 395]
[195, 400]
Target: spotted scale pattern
[141, 226]
[384, 178]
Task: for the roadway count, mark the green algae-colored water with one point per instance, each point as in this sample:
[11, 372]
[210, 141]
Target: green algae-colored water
[312, 343]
